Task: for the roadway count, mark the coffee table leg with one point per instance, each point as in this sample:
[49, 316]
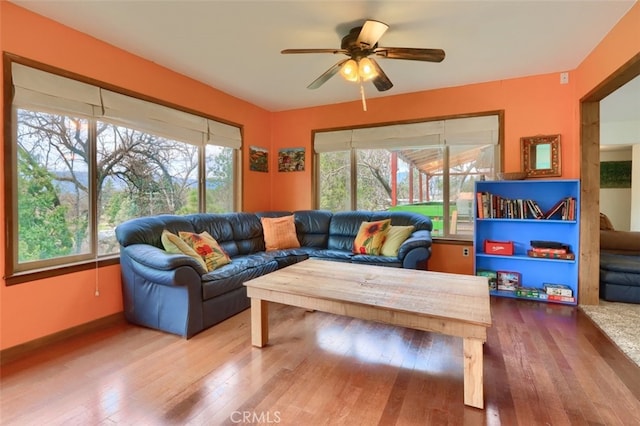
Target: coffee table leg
[473, 371]
[259, 322]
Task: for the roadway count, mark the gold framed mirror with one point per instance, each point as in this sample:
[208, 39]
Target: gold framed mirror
[541, 155]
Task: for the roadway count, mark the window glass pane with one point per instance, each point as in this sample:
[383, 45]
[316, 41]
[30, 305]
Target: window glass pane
[435, 179]
[52, 186]
[374, 179]
[140, 174]
[219, 181]
[427, 187]
[466, 165]
[334, 181]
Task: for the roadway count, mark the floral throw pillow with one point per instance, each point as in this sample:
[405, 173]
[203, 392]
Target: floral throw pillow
[371, 236]
[174, 244]
[207, 247]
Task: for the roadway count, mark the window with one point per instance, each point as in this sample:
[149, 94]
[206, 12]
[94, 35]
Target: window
[428, 167]
[85, 159]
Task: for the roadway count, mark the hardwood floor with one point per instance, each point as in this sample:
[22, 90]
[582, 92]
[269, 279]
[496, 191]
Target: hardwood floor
[544, 364]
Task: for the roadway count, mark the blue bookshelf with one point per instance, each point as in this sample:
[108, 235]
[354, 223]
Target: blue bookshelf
[520, 228]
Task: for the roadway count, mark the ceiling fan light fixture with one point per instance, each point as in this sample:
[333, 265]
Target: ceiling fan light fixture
[350, 70]
[366, 69]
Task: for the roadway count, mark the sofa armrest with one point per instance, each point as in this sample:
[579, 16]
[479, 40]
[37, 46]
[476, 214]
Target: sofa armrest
[156, 258]
[416, 240]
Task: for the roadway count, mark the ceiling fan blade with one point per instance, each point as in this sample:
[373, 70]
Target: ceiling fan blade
[370, 33]
[327, 75]
[335, 51]
[381, 81]
[428, 55]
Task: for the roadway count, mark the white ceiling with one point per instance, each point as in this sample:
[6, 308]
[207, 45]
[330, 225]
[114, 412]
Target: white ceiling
[235, 46]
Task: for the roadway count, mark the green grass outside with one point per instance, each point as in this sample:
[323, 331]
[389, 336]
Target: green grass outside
[433, 209]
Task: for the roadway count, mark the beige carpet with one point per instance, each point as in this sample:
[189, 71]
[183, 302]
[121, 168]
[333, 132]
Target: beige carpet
[621, 322]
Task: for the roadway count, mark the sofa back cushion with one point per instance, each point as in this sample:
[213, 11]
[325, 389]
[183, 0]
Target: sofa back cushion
[312, 227]
[219, 227]
[148, 230]
[247, 232]
[344, 227]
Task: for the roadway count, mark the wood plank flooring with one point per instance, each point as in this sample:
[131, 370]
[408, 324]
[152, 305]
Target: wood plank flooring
[544, 365]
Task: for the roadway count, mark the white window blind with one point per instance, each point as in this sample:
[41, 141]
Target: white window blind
[338, 140]
[482, 130]
[222, 134]
[50, 92]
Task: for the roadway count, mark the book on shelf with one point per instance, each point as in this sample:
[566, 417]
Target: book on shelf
[556, 298]
[533, 293]
[508, 280]
[549, 255]
[493, 206]
[492, 277]
[565, 208]
[557, 289]
[551, 250]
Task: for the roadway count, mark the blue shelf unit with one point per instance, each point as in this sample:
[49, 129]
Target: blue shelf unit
[535, 272]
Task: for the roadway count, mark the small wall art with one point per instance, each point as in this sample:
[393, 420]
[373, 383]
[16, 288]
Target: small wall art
[615, 174]
[291, 160]
[258, 159]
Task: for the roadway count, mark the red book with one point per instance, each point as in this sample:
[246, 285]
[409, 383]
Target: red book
[563, 256]
[549, 250]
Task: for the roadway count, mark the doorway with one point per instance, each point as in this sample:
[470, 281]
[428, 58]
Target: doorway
[589, 289]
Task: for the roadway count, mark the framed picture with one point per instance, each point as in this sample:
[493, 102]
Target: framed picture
[541, 155]
[291, 160]
[508, 280]
[615, 174]
[258, 159]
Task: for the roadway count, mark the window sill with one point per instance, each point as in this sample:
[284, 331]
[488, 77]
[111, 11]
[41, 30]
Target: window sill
[33, 275]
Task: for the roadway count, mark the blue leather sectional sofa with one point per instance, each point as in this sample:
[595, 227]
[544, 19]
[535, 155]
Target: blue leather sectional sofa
[175, 294]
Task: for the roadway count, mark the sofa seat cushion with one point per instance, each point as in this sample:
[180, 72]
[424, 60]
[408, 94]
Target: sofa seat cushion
[376, 260]
[286, 257]
[233, 275]
[332, 254]
[620, 263]
[620, 278]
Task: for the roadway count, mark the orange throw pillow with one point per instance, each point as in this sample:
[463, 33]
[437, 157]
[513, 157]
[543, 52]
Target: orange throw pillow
[279, 232]
[371, 236]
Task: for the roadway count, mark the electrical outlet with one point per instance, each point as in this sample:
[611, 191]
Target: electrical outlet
[564, 78]
[465, 251]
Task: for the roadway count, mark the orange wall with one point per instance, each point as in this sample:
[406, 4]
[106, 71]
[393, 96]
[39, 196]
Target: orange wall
[533, 105]
[619, 46]
[39, 308]
[542, 97]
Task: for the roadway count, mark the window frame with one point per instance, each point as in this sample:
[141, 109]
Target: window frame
[498, 164]
[14, 273]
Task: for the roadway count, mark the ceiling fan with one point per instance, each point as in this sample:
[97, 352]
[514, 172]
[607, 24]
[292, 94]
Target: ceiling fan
[358, 45]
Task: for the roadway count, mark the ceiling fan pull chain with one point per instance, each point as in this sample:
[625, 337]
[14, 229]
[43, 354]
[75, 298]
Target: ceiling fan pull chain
[364, 101]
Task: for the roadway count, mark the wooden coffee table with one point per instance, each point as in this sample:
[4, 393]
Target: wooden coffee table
[452, 304]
